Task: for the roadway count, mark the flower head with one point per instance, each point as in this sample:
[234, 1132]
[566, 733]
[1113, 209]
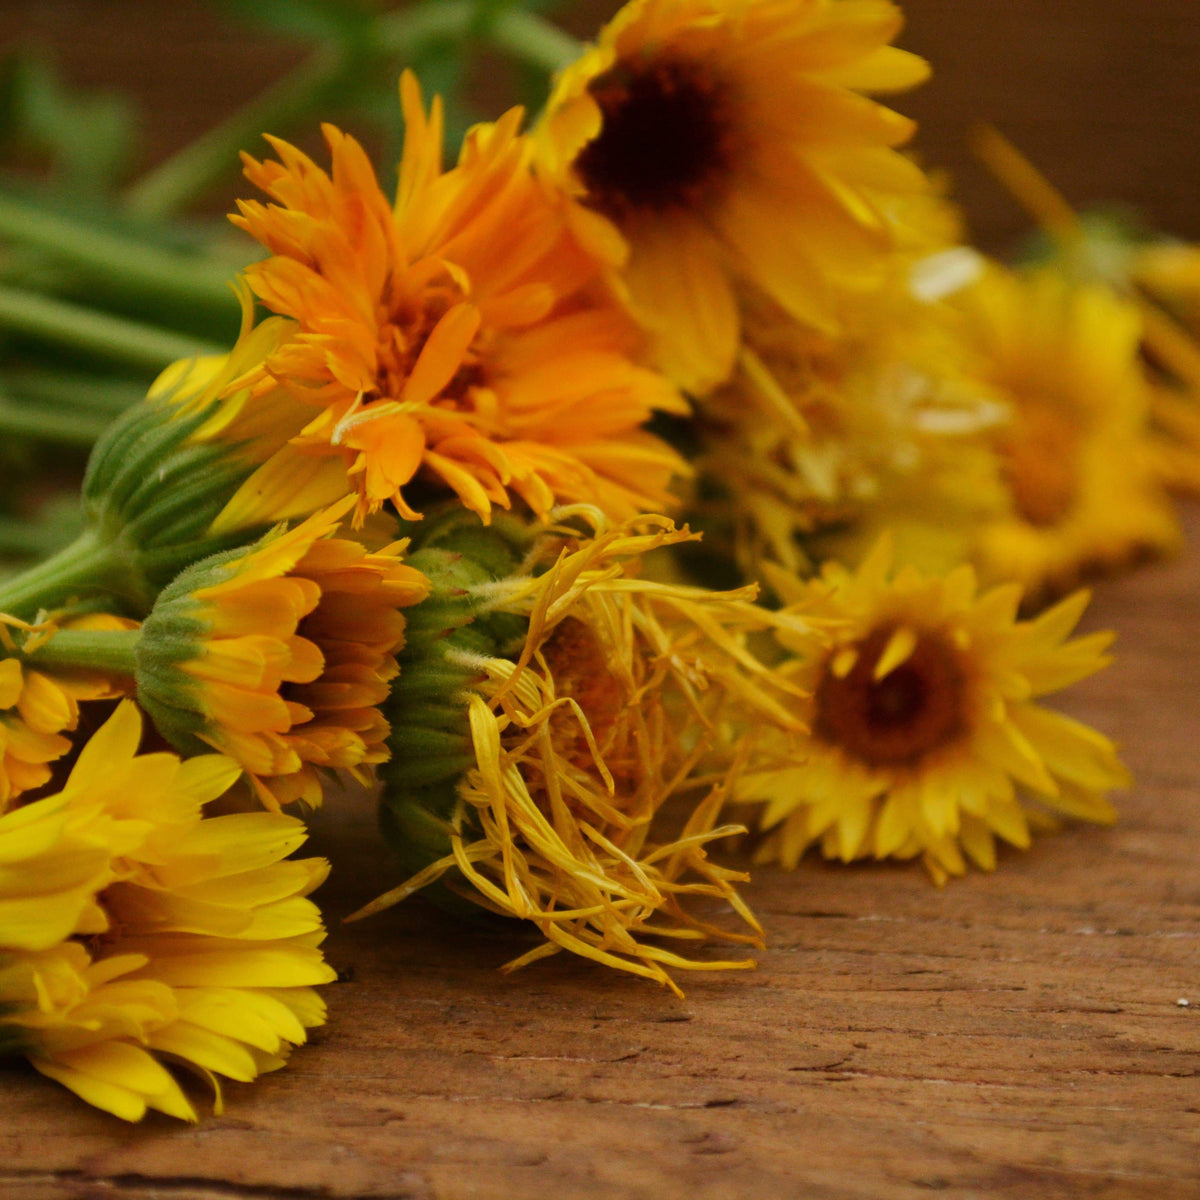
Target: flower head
[1077, 457]
[132, 926]
[731, 140]
[926, 735]
[39, 707]
[817, 441]
[460, 339]
[280, 655]
[545, 735]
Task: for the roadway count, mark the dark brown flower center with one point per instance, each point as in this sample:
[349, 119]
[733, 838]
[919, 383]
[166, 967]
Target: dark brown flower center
[664, 139]
[896, 720]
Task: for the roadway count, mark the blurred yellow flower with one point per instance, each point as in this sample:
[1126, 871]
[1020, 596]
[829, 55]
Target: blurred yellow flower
[817, 443]
[1077, 456]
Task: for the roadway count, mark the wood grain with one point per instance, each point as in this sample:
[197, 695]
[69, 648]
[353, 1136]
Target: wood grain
[1013, 1035]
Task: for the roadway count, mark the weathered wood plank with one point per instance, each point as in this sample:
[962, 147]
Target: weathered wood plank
[1016, 1034]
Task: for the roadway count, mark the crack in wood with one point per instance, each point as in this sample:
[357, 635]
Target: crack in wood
[132, 1182]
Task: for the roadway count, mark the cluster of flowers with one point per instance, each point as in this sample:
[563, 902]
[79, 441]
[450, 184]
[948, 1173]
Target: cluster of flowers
[418, 527]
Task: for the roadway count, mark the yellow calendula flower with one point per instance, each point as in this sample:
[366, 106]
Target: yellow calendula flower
[1169, 271]
[1076, 455]
[733, 140]
[39, 708]
[132, 928]
[1157, 275]
[817, 441]
[280, 655]
[547, 713]
[459, 341]
[927, 738]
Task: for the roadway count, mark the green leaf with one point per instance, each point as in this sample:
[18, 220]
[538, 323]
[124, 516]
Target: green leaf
[308, 20]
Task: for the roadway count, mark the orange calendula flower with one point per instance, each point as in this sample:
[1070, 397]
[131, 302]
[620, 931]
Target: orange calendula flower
[458, 340]
[732, 140]
[280, 654]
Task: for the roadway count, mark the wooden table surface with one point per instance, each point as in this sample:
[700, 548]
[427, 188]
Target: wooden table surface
[1014, 1035]
[1020, 1034]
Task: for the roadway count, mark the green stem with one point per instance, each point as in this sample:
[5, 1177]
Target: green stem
[45, 425]
[115, 261]
[84, 567]
[524, 35]
[111, 650]
[404, 34]
[315, 83]
[75, 391]
[23, 537]
[533, 40]
[79, 328]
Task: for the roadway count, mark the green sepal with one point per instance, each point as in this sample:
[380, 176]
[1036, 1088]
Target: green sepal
[154, 496]
[446, 634]
[418, 837]
[174, 633]
[149, 498]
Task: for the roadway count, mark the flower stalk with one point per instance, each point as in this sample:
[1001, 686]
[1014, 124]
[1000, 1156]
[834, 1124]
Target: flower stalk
[76, 327]
[113, 651]
[125, 264]
[89, 565]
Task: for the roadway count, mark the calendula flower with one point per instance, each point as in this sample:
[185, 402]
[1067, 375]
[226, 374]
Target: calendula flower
[459, 340]
[133, 927]
[543, 717]
[40, 707]
[1076, 455]
[927, 738]
[280, 655]
[1169, 270]
[1157, 275]
[732, 140]
[817, 441]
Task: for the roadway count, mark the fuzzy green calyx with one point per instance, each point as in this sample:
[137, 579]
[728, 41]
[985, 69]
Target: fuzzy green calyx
[447, 634]
[152, 490]
[149, 497]
[175, 633]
